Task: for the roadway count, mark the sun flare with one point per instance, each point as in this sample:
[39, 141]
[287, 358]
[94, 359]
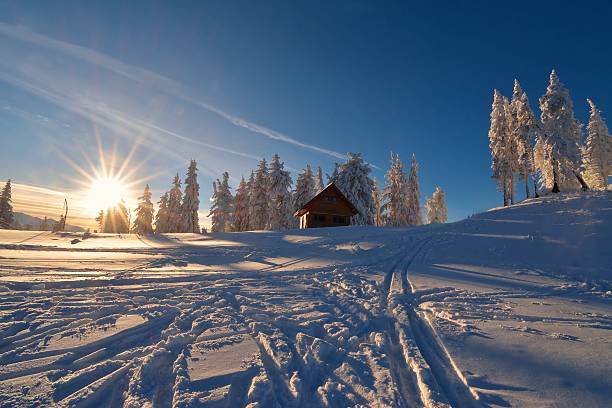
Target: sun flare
[105, 192]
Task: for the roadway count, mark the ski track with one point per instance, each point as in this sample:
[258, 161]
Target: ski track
[293, 333]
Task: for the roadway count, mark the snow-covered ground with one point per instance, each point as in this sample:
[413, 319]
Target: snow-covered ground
[512, 307]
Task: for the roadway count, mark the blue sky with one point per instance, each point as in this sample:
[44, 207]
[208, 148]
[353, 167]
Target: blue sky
[229, 82]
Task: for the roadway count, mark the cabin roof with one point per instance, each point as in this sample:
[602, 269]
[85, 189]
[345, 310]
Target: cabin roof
[331, 186]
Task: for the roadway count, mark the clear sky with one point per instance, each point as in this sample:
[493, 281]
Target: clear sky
[228, 82]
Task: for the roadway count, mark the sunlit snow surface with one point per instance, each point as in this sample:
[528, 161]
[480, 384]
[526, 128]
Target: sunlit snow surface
[511, 307]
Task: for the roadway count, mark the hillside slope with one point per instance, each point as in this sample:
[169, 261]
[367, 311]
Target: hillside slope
[511, 307]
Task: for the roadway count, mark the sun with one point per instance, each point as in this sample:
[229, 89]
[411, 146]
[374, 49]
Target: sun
[105, 192]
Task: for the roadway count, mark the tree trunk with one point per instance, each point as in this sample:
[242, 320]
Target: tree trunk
[555, 188]
[512, 189]
[583, 183]
[526, 175]
[535, 187]
[505, 192]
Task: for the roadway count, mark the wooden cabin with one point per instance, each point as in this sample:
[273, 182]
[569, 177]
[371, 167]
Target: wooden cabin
[329, 208]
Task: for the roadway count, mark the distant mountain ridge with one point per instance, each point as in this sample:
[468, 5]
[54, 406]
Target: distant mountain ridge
[27, 220]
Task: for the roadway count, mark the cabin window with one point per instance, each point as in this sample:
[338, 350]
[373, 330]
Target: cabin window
[319, 218]
[330, 199]
[338, 220]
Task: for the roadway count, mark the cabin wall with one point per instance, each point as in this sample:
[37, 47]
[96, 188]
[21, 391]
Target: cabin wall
[319, 220]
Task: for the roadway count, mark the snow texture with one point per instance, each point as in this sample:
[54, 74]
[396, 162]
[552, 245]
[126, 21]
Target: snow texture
[438, 315]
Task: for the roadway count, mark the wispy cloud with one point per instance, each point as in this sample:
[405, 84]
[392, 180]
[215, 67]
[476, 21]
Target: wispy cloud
[153, 79]
[45, 202]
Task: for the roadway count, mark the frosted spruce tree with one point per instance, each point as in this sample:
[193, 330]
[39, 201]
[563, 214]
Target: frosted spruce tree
[354, 181]
[260, 201]
[436, 208]
[281, 214]
[415, 216]
[377, 199]
[122, 218]
[332, 178]
[241, 207]
[143, 224]
[162, 218]
[221, 210]
[396, 194]
[597, 151]
[560, 153]
[524, 132]
[511, 147]
[175, 207]
[499, 142]
[191, 200]
[304, 188]
[319, 180]
[116, 219]
[6, 206]
[100, 221]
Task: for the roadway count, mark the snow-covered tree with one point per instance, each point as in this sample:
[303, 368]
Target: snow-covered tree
[499, 142]
[6, 206]
[100, 221]
[436, 208]
[377, 199]
[413, 197]
[162, 218]
[331, 178]
[260, 201]
[597, 151]
[354, 181]
[281, 214]
[396, 193]
[191, 201]
[304, 188]
[524, 132]
[221, 210]
[241, 207]
[175, 207]
[319, 180]
[143, 224]
[560, 152]
[116, 219]
[122, 218]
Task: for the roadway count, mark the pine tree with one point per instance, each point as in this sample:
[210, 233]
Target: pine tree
[415, 216]
[560, 139]
[191, 201]
[511, 147]
[241, 207]
[499, 141]
[100, 221]
[334, 176]
[395, 194]
[259, 214]
[304, 188]
[143, 224]
[319, 180]
[281, 214]
[597, 151]
[162, 218]
[524, 132]
[6, 206]
[436, 208]
[354, 181]
[377, 199]
[122, 223]
[221, 210]
[175, 213]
